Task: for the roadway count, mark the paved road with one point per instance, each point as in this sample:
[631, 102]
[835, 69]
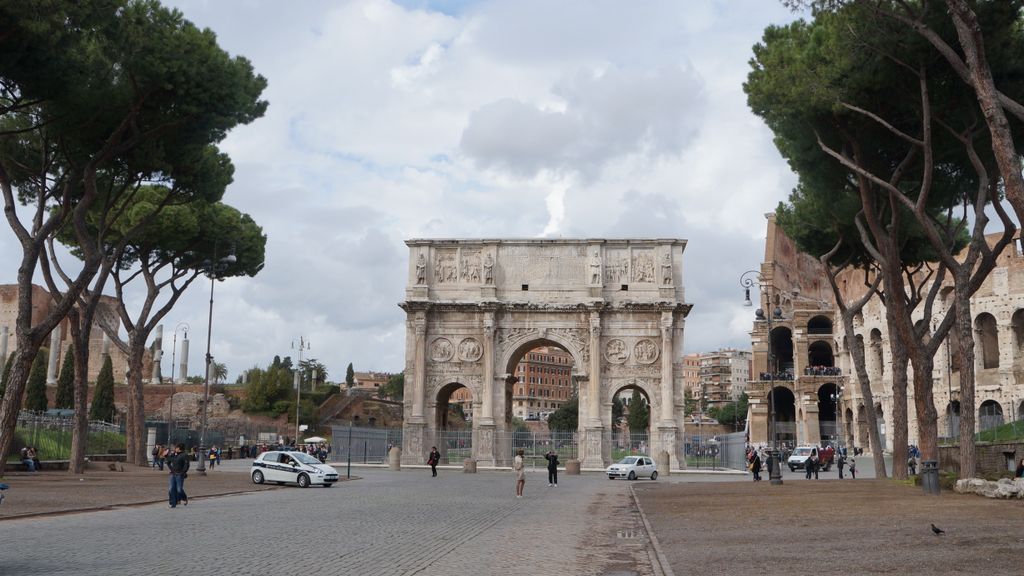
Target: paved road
[386, 523]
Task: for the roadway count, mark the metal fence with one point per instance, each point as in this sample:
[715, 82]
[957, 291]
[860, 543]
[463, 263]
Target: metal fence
[535, 445]
[716, 452]
[50, 434]
[363, 445]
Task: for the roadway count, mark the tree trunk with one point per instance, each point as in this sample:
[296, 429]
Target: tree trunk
[898, 418]
[24, 356]
[924, 403]
[136, 409]
[80, 429]
[968, 461]
[857, 350]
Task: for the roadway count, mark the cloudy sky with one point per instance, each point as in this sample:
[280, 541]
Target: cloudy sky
[404, 119]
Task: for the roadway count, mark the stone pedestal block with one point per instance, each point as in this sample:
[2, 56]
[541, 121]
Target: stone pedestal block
[663, 463]
[395, 458]
[469, 466]
[572, 467]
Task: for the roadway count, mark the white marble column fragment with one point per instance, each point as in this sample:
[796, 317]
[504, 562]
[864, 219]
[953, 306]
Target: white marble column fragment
[419, 382]
[51, 368]
[487, 402]
[105, 348]
[667, 397]
[183, 365]
[3, 344]
[158, 352]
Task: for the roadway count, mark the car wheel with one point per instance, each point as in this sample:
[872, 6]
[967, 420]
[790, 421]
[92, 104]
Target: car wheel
[632, 475]
[303, 481]
[654, 475]
[257, 477]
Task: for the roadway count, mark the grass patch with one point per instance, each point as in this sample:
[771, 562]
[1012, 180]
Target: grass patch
[1009, 432]
[56, 444]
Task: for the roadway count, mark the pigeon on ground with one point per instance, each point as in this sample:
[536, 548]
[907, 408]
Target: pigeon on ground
[938, 531]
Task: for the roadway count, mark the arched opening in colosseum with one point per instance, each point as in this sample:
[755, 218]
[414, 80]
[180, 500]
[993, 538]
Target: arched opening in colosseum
[819, 325]
[874, 357]
[987, 337]
[863, 439]
[782, 401]
[828, 406]
[953, 419]
[990, 415]
[819, 354]
[1017, 322]
[782, 350]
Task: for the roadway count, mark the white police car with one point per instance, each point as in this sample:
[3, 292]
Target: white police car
[295, 467]
[632, 467]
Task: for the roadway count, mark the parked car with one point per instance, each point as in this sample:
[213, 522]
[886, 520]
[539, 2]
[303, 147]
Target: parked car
[799, 458]
[292, 467]
[633, 467]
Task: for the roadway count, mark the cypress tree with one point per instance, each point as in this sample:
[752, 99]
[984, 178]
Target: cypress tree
[7, 374]
[350, 376]
[102, 407]
[35, 391]
[66, 382]
[639, 414]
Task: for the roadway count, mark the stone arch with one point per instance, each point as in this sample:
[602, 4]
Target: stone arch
[987, 337]
[646, 394]
[819, 325]
[848, 426]
[819, 353]
[863, 439]
[1017, 322]
[443, 405]
[875, 352]
[782, 349]
[511, 354]
[880, 415]
[1020, 412]
[828, 412]
[990, 415]
[782, 400]
[953, 419]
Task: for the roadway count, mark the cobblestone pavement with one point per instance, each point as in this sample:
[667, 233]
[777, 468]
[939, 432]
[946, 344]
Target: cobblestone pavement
[385, 523]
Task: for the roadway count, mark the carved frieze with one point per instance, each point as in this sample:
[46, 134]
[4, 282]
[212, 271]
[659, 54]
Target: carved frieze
[616, 351]
[631, 370]
[515, 334]
[441, 350]
[645, 351]
[616, 268]
[446, 270]
[643, 266]
[578, 338]
[471, 267]
[470, 350]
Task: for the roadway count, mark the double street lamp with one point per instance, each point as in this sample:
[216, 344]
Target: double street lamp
[174, 349]
[215, 266]
[749, 279]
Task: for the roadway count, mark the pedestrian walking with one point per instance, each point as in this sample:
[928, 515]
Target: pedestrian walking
[433, 459]
[853, 469]
[912, 466]
[157, 463]
[755, 467]
[552, 459]
[520, 469]
[841, 464]
[178, 464]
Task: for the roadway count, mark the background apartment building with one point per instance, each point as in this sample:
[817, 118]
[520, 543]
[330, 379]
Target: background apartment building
[724, 374]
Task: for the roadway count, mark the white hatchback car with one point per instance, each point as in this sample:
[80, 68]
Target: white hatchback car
[294, 467]
[633, 467]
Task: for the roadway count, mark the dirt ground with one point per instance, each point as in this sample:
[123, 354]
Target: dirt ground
[59, 492]
[831, 527]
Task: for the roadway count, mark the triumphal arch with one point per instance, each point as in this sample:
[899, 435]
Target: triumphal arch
[475, 307]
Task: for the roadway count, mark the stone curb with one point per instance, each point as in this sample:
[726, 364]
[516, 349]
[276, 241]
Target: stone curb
[124, 505]
[661, 565]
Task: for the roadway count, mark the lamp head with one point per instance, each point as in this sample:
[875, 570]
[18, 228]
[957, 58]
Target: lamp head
[746, 297]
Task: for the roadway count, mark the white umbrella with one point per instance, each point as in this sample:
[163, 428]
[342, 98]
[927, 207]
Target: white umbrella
[315, 440]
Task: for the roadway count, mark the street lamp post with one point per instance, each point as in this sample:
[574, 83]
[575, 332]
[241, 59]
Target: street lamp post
[837, 397]
[303, 345]
[170, 404]
[229, 259]
[747, 280]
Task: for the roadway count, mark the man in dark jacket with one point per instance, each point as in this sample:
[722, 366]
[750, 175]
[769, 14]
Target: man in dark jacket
[178, 465]
[552, 459]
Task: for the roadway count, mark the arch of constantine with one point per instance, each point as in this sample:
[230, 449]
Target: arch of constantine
[475, 307]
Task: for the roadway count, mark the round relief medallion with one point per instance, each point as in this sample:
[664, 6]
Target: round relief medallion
[470, 350]
[441, 350]
[645, 351]
[616, 351]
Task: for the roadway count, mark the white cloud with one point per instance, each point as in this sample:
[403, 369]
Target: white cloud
[448, 118]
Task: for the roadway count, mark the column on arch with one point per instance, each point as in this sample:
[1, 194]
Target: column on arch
[420, 371]
[667, 396]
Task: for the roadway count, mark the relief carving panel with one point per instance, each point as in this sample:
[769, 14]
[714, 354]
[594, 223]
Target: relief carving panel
[441, 350]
